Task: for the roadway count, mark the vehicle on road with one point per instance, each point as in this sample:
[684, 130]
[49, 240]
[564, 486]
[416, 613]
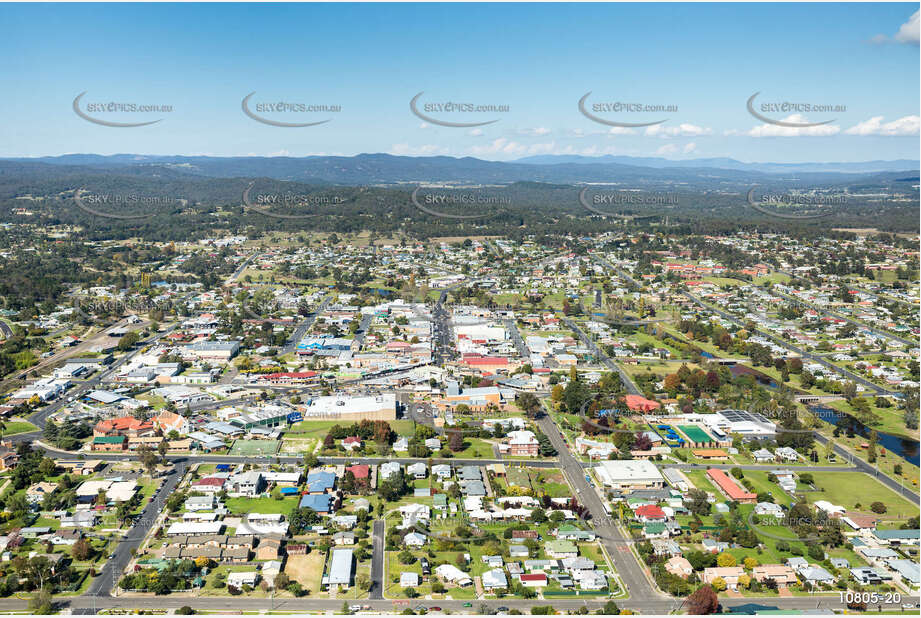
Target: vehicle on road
[354, 608]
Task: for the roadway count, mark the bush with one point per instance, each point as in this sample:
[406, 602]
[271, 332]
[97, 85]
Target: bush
[878, 507]
[185, 610]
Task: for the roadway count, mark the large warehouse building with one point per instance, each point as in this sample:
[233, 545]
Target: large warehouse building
[375, 408]
[629, 474]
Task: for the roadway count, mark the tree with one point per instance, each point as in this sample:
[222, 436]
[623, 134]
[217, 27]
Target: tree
[456, 441]
[148, 459]
[41, 602]
[697, 502]
[878, 508]
[726, 559]
[81, 550]
[703, 601]
[128, 341]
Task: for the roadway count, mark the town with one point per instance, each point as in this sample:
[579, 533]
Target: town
[651, 422]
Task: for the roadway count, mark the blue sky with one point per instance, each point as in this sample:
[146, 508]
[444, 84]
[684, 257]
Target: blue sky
[537, 59]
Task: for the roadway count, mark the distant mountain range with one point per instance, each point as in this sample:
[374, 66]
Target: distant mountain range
[861, 167]
[385, 169]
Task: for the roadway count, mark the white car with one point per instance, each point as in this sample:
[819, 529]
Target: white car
[354, 608]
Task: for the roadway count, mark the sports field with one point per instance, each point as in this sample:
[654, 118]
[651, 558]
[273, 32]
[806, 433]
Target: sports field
[253, 448]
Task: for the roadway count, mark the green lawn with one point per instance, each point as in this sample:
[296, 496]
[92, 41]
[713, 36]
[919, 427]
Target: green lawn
[14, 427]
[241, 506]
[848, 489]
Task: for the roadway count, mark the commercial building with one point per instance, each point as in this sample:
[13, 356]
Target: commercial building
[629, 474]
[349, 409]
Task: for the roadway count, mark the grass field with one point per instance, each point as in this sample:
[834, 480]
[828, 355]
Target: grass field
[848, 489]
[251, 448]
[241, 506]
[14, 427]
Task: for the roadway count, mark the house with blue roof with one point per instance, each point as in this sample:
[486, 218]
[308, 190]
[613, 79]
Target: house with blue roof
[320, 482]
[321, 503]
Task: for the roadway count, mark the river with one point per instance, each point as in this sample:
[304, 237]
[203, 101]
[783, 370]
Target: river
[905, 448]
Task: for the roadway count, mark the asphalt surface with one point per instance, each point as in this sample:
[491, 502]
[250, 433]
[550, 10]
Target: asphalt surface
[625, 378]
[615, 543]
[118, 561]
[377, 559]
[520, 345]
[304, 326]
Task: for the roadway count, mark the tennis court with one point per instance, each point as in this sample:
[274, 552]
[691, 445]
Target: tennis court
[254, 448]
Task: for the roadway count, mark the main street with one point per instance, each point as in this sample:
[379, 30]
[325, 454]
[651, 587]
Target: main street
[625, 378]
[618, 549]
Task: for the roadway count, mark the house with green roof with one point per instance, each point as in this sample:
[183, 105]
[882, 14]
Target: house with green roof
[655, 530]
[898, 537]
[440, 501]
[569, 532]
[560, 549]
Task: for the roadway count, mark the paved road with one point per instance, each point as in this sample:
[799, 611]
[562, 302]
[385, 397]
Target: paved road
[862, 466]
[84, 605]
[834, 314]
[377, 559]
[616, 545]
[522, 347]
[625, 378]
[850, 375]
[304, 326]
[39, 417]
[118, 561]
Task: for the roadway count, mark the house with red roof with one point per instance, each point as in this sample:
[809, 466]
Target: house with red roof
[351, 443]
[361, 472]
[533, 580]
[650, 512]
[286, 378]
[636, 403]
[209, 484]
[123, 426]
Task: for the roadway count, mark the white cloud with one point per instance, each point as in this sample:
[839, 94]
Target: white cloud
[689, 148]
[906, 125]
[424, 125]
[535, 131]
[475, 132]
[415, 151]
[620, 131]
[773, 130]
[908, 32]
[682, 130]
[503, 148]
[667, 149]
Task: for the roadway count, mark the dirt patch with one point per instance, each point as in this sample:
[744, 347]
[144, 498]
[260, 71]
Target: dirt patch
[306, 569]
